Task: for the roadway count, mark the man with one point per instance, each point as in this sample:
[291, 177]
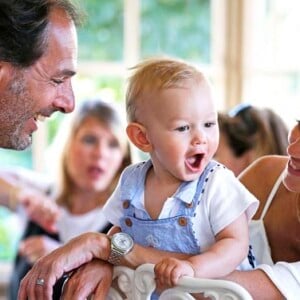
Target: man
[38, 57]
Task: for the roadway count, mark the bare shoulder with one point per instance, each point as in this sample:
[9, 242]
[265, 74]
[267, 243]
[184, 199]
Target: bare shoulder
[265, 165]
[261, 175]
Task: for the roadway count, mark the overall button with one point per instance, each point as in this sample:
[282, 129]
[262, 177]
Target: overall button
[125, 204]
[128, 222]
[189, 205]
[182, 221]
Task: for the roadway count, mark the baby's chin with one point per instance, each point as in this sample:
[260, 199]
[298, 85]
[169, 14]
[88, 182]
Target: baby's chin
[190, 177]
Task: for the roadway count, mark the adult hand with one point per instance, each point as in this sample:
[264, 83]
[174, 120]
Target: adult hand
[93, 278]
[37, 246]
[39, 281]
[40, 209]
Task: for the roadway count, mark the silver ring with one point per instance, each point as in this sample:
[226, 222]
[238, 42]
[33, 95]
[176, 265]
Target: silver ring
[40, 281]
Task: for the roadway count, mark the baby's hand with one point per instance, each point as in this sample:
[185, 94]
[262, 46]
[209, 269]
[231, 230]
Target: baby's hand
[169, 270]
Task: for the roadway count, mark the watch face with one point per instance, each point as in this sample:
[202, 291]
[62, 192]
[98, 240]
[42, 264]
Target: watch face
[122, 240]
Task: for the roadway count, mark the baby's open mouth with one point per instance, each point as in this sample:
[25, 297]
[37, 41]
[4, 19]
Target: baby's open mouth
[195, 161]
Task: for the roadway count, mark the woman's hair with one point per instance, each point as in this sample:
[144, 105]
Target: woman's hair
[108, 115]
[155, 74]
[23, 28]
[249, 128]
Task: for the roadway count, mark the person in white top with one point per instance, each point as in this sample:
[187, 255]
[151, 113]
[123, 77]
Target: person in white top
[93, 153]
[275, 180]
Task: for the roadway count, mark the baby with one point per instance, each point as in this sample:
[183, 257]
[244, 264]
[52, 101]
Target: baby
[180, 200]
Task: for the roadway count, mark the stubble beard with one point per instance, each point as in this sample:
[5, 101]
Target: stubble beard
[16, 114]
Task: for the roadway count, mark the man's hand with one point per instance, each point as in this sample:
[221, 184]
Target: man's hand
[93, 278]
[39, 281]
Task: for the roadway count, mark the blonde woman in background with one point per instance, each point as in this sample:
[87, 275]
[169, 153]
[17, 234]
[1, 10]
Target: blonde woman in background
[95, 151]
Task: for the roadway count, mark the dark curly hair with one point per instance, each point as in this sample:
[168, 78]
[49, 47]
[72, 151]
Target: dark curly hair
[23, 28]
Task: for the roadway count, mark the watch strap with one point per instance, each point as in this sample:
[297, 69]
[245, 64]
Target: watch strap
[114, 257]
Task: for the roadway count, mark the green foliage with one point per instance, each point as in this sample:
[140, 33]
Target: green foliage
[101, 36]
[113, 83]
[16, 158]
[176, 27]
[9, 235]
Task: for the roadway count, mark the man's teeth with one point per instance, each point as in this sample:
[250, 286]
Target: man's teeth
[40, 117]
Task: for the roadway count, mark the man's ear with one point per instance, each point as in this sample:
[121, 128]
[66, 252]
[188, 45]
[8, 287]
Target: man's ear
[6, 73]
[137, 135]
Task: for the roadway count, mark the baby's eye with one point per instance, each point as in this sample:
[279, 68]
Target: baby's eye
[209, 124]
[183, 128]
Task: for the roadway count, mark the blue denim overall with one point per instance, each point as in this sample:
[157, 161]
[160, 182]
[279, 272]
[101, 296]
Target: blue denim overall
[174, 234]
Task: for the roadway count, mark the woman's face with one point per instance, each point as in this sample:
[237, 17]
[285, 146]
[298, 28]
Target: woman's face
[292, 171]
[94, 157]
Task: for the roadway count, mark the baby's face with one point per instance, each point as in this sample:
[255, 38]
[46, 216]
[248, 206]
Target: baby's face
[182, 128]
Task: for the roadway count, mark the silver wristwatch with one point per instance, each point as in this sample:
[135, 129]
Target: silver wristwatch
[121, 244]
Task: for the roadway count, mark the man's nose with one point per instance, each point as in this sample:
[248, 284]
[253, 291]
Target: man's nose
[65, 102]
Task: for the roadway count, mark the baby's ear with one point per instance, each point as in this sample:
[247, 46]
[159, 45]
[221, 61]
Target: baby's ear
[137, 134]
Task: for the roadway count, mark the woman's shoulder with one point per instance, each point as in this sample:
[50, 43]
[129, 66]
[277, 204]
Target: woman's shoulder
[260, 177]
[271, 165]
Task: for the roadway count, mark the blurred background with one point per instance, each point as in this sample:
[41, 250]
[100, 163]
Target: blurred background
[249, 48]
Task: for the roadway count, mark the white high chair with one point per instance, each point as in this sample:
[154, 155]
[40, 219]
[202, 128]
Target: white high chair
[139, 284]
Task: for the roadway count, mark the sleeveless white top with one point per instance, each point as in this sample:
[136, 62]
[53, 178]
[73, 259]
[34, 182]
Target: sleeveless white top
[258, 236]
[290, 285]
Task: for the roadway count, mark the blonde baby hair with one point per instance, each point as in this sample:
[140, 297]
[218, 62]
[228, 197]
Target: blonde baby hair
[155, 74]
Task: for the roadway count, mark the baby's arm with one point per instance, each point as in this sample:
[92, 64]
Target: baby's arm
[231, 247]
[113, 230]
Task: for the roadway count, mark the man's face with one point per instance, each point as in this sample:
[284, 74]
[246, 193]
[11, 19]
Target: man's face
[33, 93]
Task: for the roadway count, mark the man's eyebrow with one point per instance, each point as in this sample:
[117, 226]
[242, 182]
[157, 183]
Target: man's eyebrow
[67, 72]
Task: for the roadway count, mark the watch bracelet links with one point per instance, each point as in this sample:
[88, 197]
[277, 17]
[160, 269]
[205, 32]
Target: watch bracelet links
[114, 258]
